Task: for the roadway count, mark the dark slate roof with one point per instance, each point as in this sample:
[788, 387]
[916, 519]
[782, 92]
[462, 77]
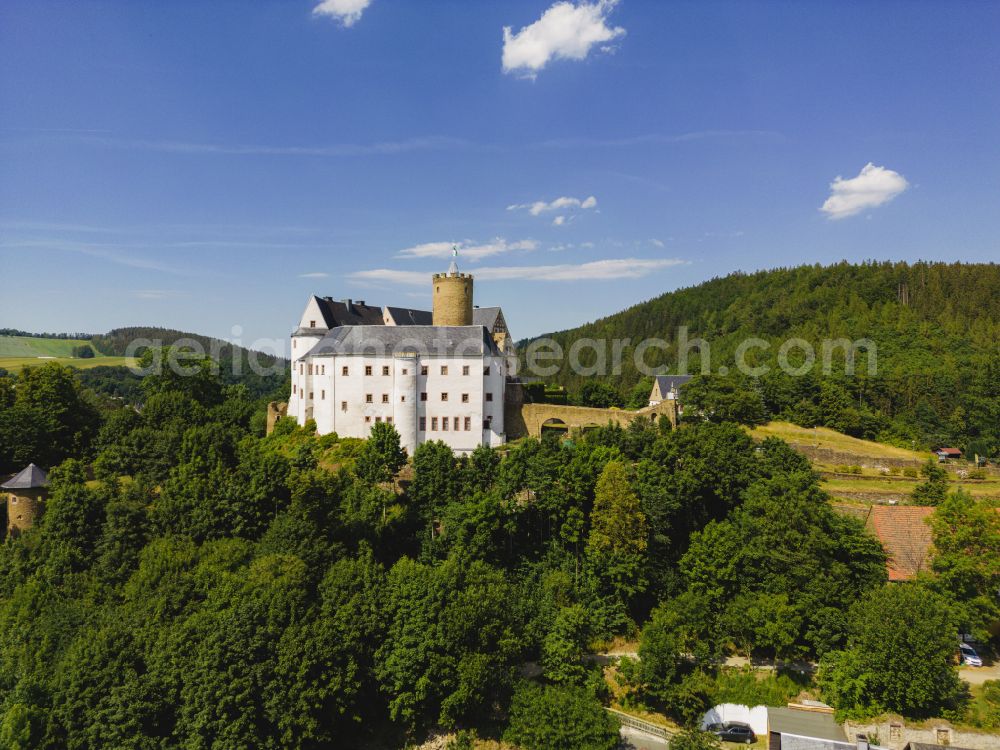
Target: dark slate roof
[668, 382]
[441, 341]
[485, 316]
[404, 316]
[31, 476]
[348, 313]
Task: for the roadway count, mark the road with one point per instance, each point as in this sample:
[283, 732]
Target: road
[633, 739]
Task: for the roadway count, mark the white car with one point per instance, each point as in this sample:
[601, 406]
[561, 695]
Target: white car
[969, 656]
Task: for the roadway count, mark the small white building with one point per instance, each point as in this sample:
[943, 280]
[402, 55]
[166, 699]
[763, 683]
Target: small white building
[666, 388]
[434, 376]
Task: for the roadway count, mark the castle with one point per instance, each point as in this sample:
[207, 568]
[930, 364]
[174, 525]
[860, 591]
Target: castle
[438, 375]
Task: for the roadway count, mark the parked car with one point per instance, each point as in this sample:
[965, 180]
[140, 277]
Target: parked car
[968, 656]
[733, 731]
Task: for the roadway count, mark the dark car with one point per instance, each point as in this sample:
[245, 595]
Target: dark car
[733, 731]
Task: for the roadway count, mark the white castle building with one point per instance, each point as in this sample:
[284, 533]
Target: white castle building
[438, 375]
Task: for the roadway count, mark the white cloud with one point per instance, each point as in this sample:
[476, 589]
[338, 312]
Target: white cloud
[565, 31]
[559, 204]
[313, 275]
[657, 243]
[468, 249]
[559, 221]
[348, 12]
[872, 187]
[392, 276]
[598, 270]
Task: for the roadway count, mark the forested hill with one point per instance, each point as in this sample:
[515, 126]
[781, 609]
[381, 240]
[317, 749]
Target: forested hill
[936, 326]
[116, 342]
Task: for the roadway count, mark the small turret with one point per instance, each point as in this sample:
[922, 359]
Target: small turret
[26, 499]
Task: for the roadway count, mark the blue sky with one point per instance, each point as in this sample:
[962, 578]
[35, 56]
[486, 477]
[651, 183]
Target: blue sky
[201, 165]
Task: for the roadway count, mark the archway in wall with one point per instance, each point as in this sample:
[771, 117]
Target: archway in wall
[554, 424]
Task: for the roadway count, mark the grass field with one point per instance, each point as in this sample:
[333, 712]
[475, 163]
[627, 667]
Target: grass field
[27, 346]
[895, 489]
[823, 437]
[17, 352]
[16, 364]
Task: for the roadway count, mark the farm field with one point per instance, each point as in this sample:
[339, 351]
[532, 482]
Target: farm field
[17, 352]
[30, 347]
[16, 364]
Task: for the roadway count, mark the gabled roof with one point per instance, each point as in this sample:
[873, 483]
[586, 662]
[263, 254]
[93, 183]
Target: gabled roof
[29, 477]
[906, 537]
[405, 316]
[485, 316]
[668, 383]
[949, 451]
[348, 313]
[428, 341]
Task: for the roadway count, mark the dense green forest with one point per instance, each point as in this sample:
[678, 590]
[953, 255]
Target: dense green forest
[194, 583]
[936, 327]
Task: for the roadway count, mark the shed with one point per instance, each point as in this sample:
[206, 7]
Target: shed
[806, 728]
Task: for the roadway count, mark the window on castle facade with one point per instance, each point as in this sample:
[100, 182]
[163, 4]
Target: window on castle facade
[312, 323]
[465, 398]
[423, 369]
[310, 395]
[322, 395]
[378, 419]
[368, 398]
[434, 424]
[444, 369]
[444, 396]
[486, 370]
[444, 424]
[456, 424]
[423, 424]
[423, 396]
[489, 396]
[343, 406]
[310, 368]
[368, 369]
[385, 369]
[389, 420]
[385, 398]
[368, 419]
[465, 369]
[468, 423]
[345, 371]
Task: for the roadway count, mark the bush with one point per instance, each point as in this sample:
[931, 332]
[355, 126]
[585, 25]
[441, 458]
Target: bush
[743, 687]
[911, 472]
[556, 718]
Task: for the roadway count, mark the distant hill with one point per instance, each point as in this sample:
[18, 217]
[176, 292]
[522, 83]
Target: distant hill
[33, 346]
[105, 371]
[936, 326]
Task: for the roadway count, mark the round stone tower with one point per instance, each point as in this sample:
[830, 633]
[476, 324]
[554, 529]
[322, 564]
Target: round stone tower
[452, 296]
[26, 499]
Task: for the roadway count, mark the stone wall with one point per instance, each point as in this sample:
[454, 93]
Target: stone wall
[894, 733]
[528, 419]
[275, 409]
[839, 458]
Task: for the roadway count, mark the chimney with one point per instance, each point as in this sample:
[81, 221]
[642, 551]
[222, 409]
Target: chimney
[349, 304]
